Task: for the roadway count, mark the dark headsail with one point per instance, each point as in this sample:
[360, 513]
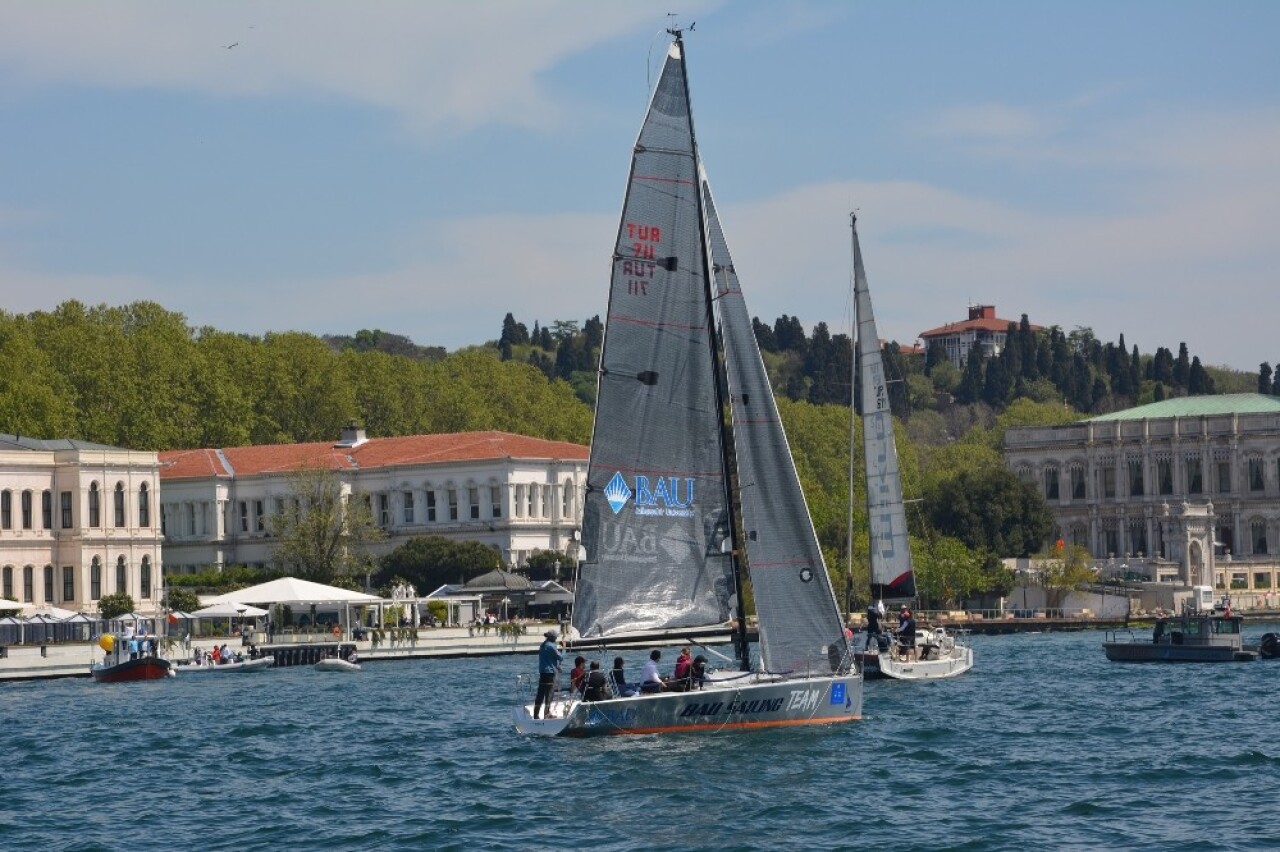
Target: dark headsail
[799, 620]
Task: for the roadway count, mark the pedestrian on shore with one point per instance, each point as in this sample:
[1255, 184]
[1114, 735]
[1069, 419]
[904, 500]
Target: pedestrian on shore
[549, 657]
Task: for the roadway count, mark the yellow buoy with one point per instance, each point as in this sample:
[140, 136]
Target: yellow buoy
[106, 642]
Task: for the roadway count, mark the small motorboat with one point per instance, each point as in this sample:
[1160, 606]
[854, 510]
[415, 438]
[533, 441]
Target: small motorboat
[337, 664]
[245, 665]
[129, 658]
[1195, 637]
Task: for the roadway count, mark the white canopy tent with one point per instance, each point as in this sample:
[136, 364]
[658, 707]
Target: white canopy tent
[56, 613]
[291, 590]
[294, 592]
[229, 609]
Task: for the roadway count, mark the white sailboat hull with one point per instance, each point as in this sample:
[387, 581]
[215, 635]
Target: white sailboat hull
[938, 655]
[747, 701]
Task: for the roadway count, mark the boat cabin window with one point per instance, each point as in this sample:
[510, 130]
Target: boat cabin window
[1191, 628]
[1226, 625]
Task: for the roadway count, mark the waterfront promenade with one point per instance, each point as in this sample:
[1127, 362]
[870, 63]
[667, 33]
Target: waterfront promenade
[73, 659]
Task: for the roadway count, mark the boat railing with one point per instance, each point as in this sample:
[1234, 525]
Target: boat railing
[1122, 635]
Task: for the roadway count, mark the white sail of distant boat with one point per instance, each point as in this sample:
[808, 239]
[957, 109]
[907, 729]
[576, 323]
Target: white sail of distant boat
[691, 489]
[938, 652]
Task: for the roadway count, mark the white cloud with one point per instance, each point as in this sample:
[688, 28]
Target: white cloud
[439, 65]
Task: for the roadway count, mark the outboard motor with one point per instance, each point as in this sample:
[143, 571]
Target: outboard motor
[1269, 647]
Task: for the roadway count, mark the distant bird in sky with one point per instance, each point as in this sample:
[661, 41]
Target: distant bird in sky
[229, 46]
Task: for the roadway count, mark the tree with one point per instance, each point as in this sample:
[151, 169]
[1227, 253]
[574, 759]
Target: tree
[1062, 570]
[1199, 381]
[181, 599]
[990, 509]
[1181, 367]
[1264, 378]
[114, 606]
[971, 382]
[947, 571]
[431, 561]
[324, 531]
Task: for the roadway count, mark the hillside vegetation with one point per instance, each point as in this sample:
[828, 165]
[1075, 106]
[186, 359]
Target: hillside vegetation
[139, 376]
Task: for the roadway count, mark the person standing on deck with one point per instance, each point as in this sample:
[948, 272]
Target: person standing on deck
[549, 657]
[873, 625]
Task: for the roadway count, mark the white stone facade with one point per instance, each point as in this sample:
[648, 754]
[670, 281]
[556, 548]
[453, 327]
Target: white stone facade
[1190, 499]
[511, 503]
[78, 521]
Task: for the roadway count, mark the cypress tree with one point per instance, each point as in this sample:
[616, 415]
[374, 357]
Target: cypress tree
[1264, 378]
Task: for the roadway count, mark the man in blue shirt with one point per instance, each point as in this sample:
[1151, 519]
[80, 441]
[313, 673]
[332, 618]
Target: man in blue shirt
[549, 657]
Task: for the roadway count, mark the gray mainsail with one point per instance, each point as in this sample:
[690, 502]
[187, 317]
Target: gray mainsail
[799, 620]
[655, 527]
[891, 574]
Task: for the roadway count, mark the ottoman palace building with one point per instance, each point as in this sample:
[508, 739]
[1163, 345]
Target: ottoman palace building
[1185, 490]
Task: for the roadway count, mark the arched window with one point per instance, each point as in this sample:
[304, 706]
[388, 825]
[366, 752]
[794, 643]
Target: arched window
[1258, 535]
[144, 506]
[1051, 483]
[46, 509]
[6, 509]
[26, 510]
[119, 506]
[48, 584]
[8, 583]
[29, 584]
[95, 505]
[95, 579]
[146, 577]
[122, 577]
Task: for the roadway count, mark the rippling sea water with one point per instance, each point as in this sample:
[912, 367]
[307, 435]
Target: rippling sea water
[1045, 745]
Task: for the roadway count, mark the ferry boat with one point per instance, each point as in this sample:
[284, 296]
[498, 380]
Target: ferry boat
[1203, 637]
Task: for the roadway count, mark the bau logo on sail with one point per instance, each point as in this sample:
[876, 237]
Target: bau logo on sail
[667, 496]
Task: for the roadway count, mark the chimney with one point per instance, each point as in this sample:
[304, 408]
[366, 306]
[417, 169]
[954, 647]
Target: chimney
[352, 437]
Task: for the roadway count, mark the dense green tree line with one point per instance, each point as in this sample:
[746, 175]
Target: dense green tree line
[140, 377]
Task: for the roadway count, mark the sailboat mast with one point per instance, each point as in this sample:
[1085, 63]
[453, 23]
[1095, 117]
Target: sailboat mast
[721, 394]
[853, 415]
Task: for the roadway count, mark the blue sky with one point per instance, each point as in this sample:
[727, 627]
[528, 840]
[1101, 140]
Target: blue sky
[424, 168]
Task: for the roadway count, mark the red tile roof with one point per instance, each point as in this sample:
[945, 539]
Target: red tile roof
[373, 453]
[982, 324]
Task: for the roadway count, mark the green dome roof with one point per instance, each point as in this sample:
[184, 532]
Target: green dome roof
[1197, 406]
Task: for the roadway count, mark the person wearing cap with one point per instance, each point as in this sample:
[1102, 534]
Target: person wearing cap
[698, 672]
[549, 657]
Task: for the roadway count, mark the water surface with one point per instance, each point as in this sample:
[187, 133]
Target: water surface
[1045, 745]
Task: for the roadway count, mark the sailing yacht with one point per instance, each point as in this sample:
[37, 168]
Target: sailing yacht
[691, 488]
[937, 653]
